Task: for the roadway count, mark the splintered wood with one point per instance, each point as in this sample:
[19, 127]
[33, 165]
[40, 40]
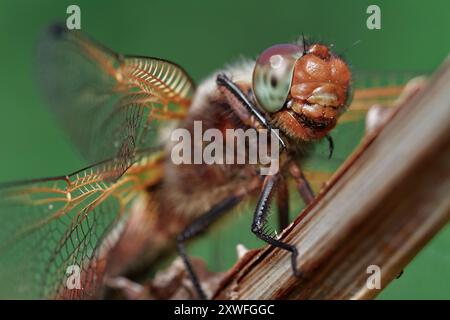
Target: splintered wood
[384, 204]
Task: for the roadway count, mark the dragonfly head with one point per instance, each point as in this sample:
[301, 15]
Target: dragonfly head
[303, 88]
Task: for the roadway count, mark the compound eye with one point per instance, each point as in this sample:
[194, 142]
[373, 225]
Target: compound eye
[272, 75]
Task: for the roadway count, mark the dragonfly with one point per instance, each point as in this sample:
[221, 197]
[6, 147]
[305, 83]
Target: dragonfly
[133, 203]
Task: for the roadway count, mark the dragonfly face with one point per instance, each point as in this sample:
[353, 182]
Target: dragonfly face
[103, 217]
[305, 88]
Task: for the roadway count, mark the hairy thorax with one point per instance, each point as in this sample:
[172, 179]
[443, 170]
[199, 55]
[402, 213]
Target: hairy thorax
[193, 189]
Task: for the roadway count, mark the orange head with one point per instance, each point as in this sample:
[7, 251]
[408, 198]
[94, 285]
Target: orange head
[304, 91]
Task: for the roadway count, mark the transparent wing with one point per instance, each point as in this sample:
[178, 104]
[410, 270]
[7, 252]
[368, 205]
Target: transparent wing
[56, 232]
[111, 105]
[372, 88]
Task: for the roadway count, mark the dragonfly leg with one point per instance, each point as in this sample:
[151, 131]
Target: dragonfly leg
[303, 185]
[283, 204]
[330, 145]
[260, 221]
[198, 226]
[244, 108]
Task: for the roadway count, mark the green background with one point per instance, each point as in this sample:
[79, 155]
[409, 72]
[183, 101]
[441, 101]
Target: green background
[203, 36]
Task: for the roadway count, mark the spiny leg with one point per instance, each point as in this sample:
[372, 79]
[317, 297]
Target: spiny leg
[283, 204]
[244, 108]
[198, 226]
[303, 185]
[251, 116]
[260, 221]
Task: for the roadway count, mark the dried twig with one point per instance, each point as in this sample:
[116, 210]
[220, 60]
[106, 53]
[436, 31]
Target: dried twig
[383, 205]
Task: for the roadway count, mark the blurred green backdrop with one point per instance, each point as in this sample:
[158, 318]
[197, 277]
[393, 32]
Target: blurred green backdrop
[202, 36]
